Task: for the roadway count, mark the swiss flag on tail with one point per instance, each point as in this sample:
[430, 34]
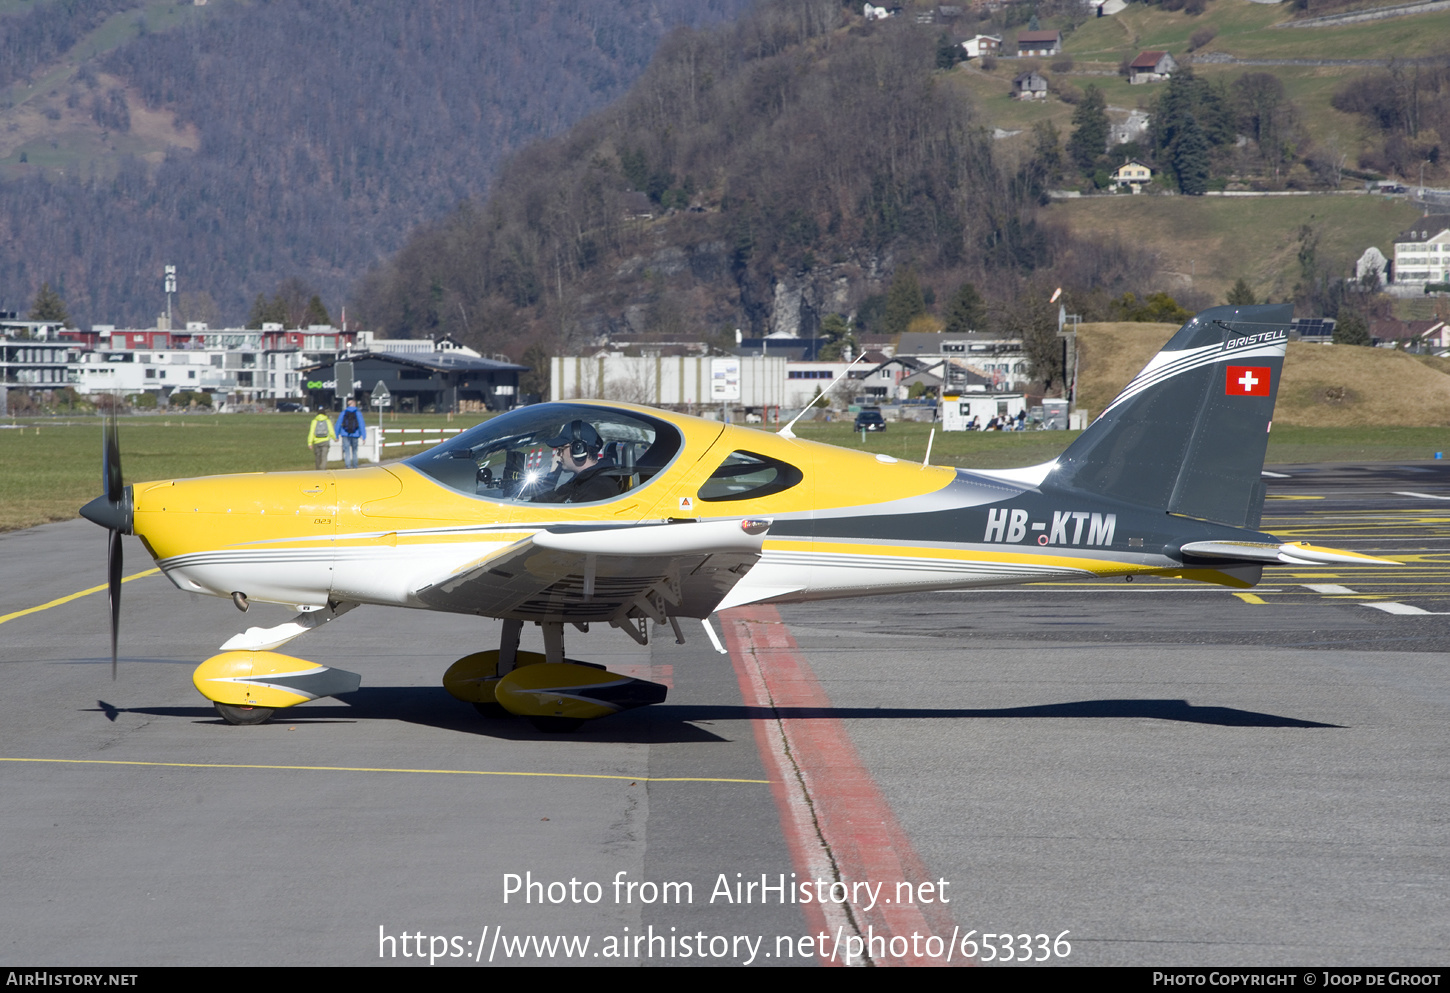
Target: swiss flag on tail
[1247, 381]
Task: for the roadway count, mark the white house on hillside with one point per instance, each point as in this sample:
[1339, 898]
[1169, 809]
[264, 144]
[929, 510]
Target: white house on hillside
[982, 44]
[1422, 254]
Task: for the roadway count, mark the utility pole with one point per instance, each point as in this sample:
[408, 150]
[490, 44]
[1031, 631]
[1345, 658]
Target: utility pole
[170, 274]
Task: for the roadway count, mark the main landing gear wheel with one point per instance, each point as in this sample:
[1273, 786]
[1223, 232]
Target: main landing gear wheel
[491, 710]
[244, 716]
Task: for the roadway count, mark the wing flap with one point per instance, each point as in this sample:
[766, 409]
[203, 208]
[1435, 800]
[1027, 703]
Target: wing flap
[578, 575]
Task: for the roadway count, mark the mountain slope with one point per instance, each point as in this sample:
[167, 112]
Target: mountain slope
[321, 131]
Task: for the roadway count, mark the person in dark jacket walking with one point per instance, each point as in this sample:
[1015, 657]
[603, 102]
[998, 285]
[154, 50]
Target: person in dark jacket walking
[351, 429]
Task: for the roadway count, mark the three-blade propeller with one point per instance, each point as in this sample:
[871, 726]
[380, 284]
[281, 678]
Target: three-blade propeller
[112, 510]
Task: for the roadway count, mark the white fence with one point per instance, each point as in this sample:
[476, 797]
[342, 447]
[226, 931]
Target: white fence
[379, 440]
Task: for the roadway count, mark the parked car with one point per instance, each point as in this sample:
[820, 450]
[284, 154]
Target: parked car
[287, 407]
[870, 419]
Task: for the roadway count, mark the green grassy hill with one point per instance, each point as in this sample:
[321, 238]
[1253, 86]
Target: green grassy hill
[1246, 31]
[1324, 386]
[1206, 243]
[46, 121]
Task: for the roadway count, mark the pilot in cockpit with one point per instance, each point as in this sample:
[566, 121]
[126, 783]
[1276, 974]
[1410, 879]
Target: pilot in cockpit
[577, 452]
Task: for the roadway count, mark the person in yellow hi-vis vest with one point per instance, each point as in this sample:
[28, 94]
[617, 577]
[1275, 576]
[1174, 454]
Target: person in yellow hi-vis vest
[320, 435]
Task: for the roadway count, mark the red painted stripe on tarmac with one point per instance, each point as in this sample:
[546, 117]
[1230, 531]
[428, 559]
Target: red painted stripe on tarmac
[837, 823]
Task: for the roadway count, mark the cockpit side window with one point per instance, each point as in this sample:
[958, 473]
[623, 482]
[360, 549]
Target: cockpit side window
[554, 453]
[748, 476]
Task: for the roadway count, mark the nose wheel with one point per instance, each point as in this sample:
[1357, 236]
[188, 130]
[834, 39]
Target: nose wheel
[243, 716]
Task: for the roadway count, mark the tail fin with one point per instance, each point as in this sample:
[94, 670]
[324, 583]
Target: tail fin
[1188, 434]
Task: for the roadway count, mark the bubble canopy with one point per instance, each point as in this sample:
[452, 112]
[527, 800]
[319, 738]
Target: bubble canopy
[511, 458]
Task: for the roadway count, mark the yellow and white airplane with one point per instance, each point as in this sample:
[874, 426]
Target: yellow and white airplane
[585, 513]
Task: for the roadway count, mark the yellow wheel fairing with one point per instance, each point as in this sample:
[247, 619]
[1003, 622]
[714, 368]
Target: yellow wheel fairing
[269, 679]
[572, 691]
[473, 677]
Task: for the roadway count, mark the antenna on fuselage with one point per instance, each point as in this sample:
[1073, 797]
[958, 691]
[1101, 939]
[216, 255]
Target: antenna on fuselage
[786, 431]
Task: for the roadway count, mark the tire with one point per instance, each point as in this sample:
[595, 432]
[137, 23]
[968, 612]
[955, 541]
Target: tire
[243, 716]
[492, 710]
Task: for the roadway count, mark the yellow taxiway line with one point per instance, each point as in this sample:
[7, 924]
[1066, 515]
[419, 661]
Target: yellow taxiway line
[73, 596]
[431, 772]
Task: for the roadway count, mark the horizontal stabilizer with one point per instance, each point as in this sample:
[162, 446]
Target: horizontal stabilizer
[1288, 553]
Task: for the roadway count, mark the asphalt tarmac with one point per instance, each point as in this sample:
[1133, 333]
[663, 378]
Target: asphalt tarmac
[1158, 773]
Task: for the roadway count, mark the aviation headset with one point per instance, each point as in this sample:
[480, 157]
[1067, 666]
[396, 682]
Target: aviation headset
[582, 441]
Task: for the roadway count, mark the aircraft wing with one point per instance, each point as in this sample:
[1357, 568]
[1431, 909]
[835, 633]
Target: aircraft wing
[619, 574]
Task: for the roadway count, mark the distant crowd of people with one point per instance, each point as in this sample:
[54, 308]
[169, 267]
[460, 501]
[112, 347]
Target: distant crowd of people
[1000, 423]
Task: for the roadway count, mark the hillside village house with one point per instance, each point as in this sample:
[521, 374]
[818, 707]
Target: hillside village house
[1132, 174]
[1392, 332]
[1422, 254]
[1039, 43]
[982, 44]
[1151, 67]
[1030, 86]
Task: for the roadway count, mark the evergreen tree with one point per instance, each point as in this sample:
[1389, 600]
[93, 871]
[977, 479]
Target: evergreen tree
[636, 170]
[838, 330]
[536, 380]
[1351, 329]
[1032, 317]
[1090, 130]
[1241, 295]
[266, 311]
[1190, 159]
[966, 311]
[1039, 173]
[316, 313]
[48, 306]
[948, 52]
[903, 302]
[1158, 308]
[1188, 102]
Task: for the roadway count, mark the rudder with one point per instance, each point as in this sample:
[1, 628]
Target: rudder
[1188, 434]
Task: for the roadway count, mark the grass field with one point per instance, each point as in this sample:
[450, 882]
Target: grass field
[49, 468]
[1323, 386]
[1244, 31]
[1209, 242]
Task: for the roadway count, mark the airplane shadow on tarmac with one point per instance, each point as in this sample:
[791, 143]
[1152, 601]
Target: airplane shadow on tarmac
[666, 723]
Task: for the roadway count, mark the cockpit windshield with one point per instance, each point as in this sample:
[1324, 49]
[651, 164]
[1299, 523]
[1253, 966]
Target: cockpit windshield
[553, 453]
